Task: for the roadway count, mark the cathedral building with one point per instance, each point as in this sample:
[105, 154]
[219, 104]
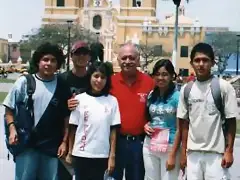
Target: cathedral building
[130, 20]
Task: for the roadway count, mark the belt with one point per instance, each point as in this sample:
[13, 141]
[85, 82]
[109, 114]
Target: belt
[129, 137]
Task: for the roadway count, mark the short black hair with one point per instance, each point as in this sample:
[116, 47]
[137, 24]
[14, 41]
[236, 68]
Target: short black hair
[104, 69]
[44, 49]
[203, 48]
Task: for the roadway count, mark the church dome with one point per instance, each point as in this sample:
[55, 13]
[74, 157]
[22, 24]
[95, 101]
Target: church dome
[182, 20]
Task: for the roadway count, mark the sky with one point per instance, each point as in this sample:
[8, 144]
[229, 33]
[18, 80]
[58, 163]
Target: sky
[18, 17]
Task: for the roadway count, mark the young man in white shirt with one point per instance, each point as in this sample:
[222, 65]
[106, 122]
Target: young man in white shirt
[204, 149]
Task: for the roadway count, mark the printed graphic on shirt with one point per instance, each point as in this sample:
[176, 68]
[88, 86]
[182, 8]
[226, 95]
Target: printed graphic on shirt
[142, 97]
[163, 115]
[94, 116]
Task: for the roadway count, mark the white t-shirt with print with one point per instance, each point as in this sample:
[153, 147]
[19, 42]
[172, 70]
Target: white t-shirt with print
[94, 117]
[205, 126]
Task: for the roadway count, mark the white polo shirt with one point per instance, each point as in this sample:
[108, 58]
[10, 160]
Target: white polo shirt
[94, 117]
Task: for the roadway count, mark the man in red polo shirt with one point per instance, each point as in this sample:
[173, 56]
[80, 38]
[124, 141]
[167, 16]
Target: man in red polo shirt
[131, 88]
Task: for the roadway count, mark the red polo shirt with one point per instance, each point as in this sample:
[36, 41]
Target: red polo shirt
[132, 102]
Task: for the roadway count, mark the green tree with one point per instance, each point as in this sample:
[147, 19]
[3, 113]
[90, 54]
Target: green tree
[151, 53]
[224, 45]
[56, 34]
[110, 66]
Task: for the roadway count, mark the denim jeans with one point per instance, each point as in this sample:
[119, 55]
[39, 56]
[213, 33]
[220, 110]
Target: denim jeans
[33, 164]
[129, 157]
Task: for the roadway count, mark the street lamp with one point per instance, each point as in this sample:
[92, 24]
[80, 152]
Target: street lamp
[147, 29]
[175, 43]
[238, 43]
[9, 47]
[69, 22]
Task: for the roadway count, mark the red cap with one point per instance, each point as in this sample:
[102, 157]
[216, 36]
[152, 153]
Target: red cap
[79, 44]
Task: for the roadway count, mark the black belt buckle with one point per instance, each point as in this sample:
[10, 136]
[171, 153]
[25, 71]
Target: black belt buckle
[130, 137]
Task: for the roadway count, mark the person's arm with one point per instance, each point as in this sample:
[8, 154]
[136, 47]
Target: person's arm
[113, 136]
[62, 151]
[14, 96]
[183, 122]
[231, 125]
[230, 112]
[184, 126]
[72, 132]
[13, 138]
[177, 140]
[73, 124]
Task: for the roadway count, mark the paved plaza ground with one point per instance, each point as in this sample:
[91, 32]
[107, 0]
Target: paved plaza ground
[7, 167]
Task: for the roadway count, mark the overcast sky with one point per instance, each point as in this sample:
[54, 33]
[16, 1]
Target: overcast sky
[20, 16]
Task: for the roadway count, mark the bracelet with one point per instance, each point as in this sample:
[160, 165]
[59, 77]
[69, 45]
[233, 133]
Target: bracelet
[10, 124]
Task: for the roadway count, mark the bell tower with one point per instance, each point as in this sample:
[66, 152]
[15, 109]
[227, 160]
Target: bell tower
[148, 6]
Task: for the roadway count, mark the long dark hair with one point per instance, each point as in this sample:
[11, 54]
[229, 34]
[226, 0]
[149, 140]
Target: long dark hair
[104, 69]
[167, 64]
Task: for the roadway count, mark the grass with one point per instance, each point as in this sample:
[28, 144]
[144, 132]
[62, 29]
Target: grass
[7, 80]
[2, 96]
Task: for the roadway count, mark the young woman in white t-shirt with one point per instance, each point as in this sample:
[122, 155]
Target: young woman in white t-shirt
[93, 127]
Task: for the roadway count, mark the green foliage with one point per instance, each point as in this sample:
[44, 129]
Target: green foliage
[2, 96]
[56, 34]
[224, 45]
[151, 53]
[110, 65]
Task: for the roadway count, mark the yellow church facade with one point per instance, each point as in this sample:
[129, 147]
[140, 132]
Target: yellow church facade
[131, 20]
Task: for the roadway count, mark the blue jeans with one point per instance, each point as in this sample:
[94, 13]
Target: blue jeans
[33, 164]
[129, 157]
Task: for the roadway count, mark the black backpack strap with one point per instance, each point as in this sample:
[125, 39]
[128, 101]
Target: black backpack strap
[186, 92]
[216, 94]
[31, 86]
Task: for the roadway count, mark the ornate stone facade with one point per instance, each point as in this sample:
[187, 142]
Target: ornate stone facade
[131, 20]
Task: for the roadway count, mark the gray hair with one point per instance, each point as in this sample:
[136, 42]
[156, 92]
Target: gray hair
[136, 47]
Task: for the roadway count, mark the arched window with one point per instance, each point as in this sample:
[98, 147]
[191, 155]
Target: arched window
[97, 22]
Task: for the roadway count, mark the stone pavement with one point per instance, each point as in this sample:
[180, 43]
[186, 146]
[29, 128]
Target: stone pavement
[7, 167]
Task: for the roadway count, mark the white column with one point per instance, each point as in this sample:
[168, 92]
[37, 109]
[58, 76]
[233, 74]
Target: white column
[105, 49]
[109, 50]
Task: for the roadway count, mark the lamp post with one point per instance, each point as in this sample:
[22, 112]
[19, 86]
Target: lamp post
[9, 47]
[175, 42]
[69, 22]
[147, 29]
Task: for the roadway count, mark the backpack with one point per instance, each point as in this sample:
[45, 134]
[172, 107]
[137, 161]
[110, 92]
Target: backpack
[217, 97]
[23, 120]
